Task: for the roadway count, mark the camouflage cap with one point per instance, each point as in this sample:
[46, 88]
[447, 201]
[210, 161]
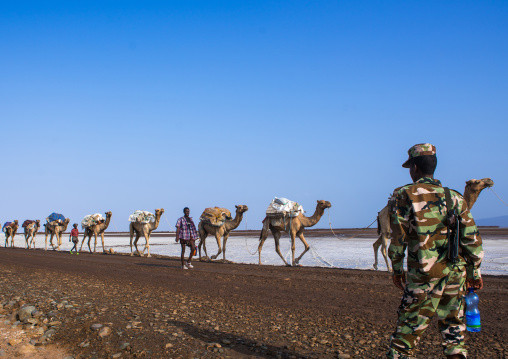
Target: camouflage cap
[421, 149]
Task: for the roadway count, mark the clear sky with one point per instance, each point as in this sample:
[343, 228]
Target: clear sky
[126, 105]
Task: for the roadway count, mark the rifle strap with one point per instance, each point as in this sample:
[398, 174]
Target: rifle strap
[448, 199]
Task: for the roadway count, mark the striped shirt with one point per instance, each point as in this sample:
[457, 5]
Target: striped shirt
[186, 228]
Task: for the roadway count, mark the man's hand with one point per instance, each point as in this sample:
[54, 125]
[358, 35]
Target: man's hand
[476, 284]
[399, 280]
[176, 239]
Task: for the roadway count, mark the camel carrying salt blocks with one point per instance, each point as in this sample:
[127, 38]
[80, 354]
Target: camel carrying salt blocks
[55, 217]
[215, 216]
[142, 216]
[283, 207]
[91, 219]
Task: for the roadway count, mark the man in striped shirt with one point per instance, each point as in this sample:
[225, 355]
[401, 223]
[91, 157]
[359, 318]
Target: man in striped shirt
[186, 233]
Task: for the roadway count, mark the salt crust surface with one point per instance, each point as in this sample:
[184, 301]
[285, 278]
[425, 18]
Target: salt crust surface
[327, 251]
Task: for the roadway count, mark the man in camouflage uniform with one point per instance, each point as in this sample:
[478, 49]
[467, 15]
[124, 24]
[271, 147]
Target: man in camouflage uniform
[434, 283]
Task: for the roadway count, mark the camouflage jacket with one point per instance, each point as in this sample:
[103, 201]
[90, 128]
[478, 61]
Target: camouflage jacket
[418, 223]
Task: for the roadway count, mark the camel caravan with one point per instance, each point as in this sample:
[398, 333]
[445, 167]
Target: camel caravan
[282, 215]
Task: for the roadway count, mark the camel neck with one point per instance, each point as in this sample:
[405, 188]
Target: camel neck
[235, 222]
[312, 220]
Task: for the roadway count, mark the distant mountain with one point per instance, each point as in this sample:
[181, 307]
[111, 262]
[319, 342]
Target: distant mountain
[501, 221]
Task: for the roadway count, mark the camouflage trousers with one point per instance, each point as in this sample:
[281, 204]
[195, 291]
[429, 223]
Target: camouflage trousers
[420, 302]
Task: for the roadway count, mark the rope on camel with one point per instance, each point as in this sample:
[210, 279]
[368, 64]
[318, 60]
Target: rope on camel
[166, 218]
[113, 223]
[247, 248]
[317, 257]
[506, 204]
[245, 238]
[347, 238]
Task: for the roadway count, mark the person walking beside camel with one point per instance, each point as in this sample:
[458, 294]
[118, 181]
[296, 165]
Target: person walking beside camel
[186, 234]
[444, 254]
[74, 237]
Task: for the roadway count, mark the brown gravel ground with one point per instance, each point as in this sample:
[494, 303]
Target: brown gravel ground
[223, 310]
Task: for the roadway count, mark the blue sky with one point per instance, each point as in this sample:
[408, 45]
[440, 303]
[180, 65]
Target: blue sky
[126, 105]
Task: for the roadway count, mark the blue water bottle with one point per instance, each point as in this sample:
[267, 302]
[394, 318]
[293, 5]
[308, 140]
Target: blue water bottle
[472, 312]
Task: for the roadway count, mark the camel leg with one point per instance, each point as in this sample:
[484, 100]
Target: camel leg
[307, 247]
[376, 245]
[226, 236]
[262, 239]
[384, 246]
[276, 236]
[88, 242]
[58, 240]
[136, 243]
[95, 242]
[147, 244]
[102, 238]
[33, 240]
[51, 240]
[132, 236]
[217, 238]
[26, 240]
[46, 241]
[82, 242]
[202, 235]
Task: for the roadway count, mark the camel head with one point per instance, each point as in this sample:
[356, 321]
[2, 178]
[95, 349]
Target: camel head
[479, 185]
[67, 220]
[108, 214]
[16, 222]
[242, 208]
[323, 204]
[159, 211]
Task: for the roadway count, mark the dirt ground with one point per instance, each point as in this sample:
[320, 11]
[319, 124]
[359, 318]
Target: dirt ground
[154, 309]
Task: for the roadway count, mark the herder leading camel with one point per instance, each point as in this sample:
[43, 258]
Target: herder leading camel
[471, 193]
[223, 231]
[293, 226]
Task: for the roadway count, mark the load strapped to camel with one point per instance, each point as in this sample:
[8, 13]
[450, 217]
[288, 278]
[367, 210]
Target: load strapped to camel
[6, 224]
[91, 220]
[142, 217]
[283, 207]
[56, 217]
[215, 216]
[27, 222]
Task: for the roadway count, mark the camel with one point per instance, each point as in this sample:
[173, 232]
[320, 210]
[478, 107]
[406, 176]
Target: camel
[145, 229]
[55, 228]
[471, 193]
[205, 229]
[10, 231]
[293, 226]
[30, 233]
[96, 229]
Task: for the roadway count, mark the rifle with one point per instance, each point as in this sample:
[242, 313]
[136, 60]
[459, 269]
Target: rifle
[452, 230]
